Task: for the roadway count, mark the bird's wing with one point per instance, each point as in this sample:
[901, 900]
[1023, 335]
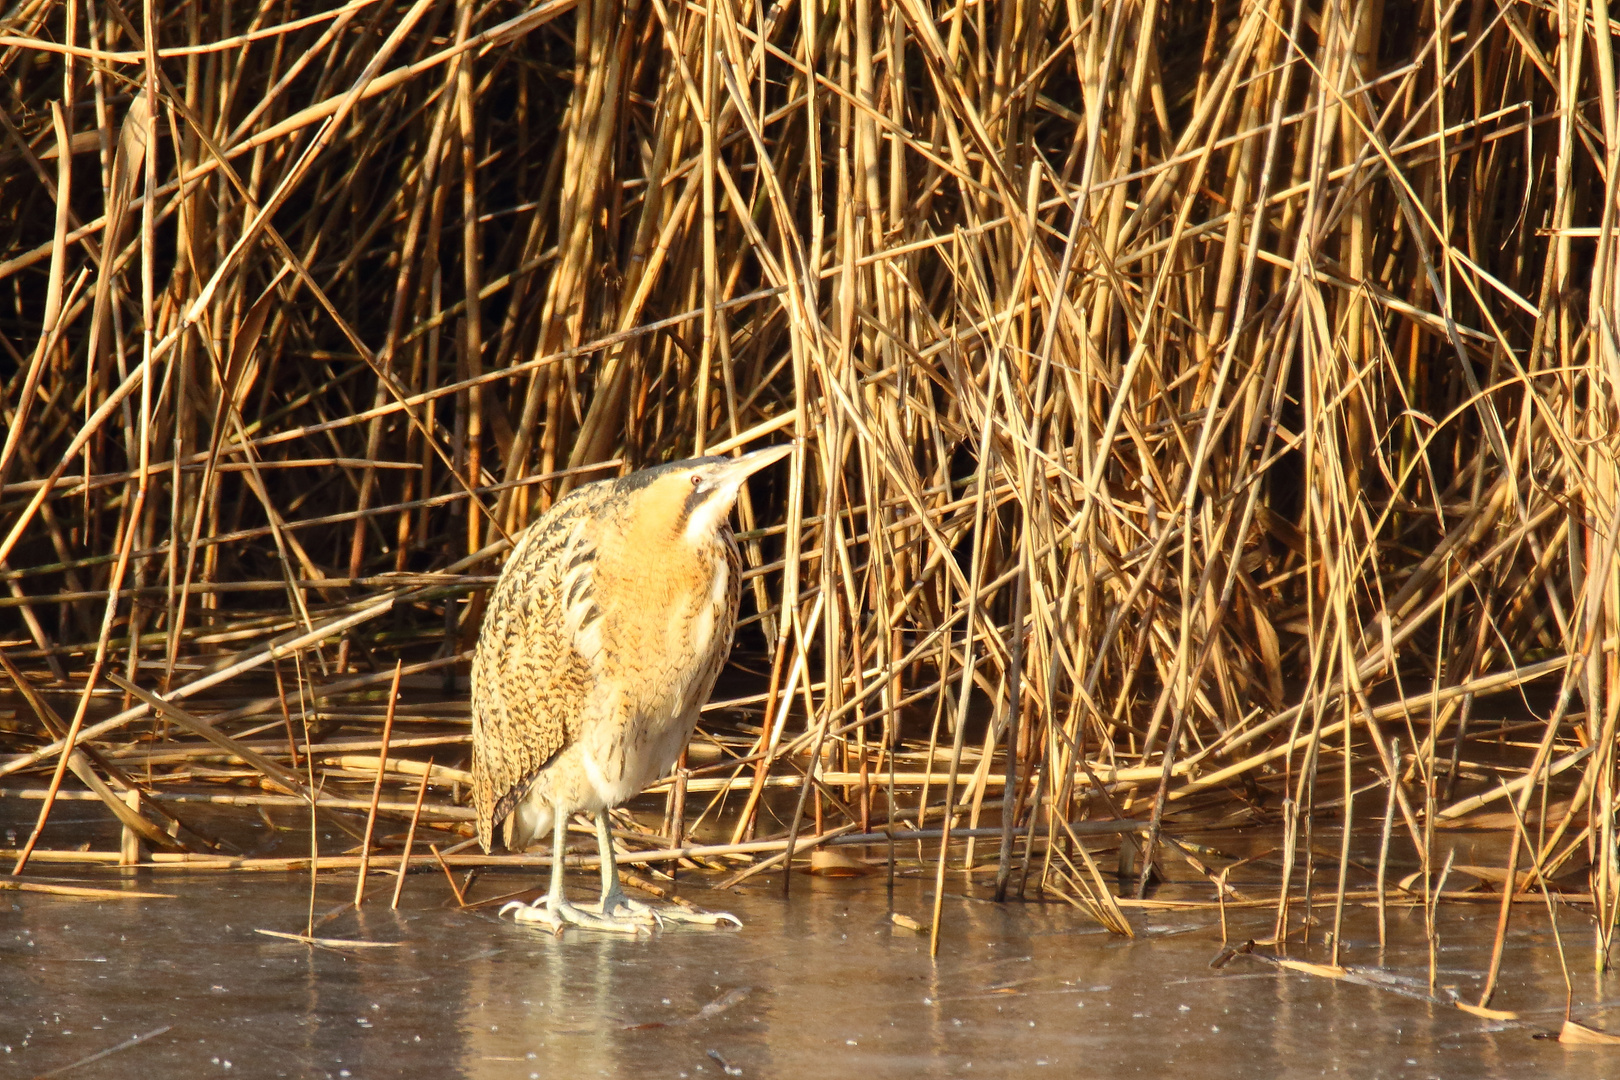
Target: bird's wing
[531, 672]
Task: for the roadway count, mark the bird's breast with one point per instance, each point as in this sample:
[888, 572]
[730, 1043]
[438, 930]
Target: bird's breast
[695, 629]
[666, 620]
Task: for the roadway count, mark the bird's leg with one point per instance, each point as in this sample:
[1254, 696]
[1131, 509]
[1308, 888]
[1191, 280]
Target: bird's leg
[615, 903]
[553, 909]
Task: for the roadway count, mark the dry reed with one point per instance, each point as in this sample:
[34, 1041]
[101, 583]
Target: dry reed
[1220, 397]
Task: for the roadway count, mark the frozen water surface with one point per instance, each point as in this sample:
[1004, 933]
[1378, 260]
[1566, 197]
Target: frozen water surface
[821, 984]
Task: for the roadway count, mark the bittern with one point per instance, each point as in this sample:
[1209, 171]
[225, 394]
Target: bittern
[602, 640]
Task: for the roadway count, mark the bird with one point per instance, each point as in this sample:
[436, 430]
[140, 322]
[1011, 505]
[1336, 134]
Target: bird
[601, 641]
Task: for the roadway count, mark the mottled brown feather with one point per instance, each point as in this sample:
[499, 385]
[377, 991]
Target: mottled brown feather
[529, 679]
[577, 637]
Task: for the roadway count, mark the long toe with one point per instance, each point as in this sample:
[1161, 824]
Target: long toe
[618, 905]
[561, 913]
[676, 913]
[623, 908]
[538, 912]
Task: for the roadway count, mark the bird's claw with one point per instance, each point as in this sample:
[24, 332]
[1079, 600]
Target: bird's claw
[624, 907]
[557, 914]
[618, 914]
[701, 917]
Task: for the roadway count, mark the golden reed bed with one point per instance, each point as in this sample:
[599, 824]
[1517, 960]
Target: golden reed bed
[1207, 416]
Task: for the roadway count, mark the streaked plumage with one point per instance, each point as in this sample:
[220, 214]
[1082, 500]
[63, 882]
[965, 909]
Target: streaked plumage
[602, 641]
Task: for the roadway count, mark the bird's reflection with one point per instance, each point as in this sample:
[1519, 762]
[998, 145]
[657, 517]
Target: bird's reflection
[557, 1004]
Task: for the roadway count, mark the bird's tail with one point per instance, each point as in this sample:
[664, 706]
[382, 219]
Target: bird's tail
[531, 820]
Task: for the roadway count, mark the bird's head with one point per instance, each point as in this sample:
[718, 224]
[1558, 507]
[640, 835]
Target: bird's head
[695, 497]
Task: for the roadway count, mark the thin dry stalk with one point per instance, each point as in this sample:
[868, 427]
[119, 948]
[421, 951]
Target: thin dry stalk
[1194, 405]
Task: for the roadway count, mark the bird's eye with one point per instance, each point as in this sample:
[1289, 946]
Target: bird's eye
[697, 480]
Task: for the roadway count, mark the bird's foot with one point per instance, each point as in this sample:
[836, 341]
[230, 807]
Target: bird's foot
[697, 916]
[558, 913]
[621, 906]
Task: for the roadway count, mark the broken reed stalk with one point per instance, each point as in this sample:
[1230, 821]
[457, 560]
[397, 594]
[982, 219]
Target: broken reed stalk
[1267, 347]
[376, 788]
[410, 839]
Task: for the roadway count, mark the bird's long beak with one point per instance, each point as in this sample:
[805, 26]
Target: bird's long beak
[749, 464]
